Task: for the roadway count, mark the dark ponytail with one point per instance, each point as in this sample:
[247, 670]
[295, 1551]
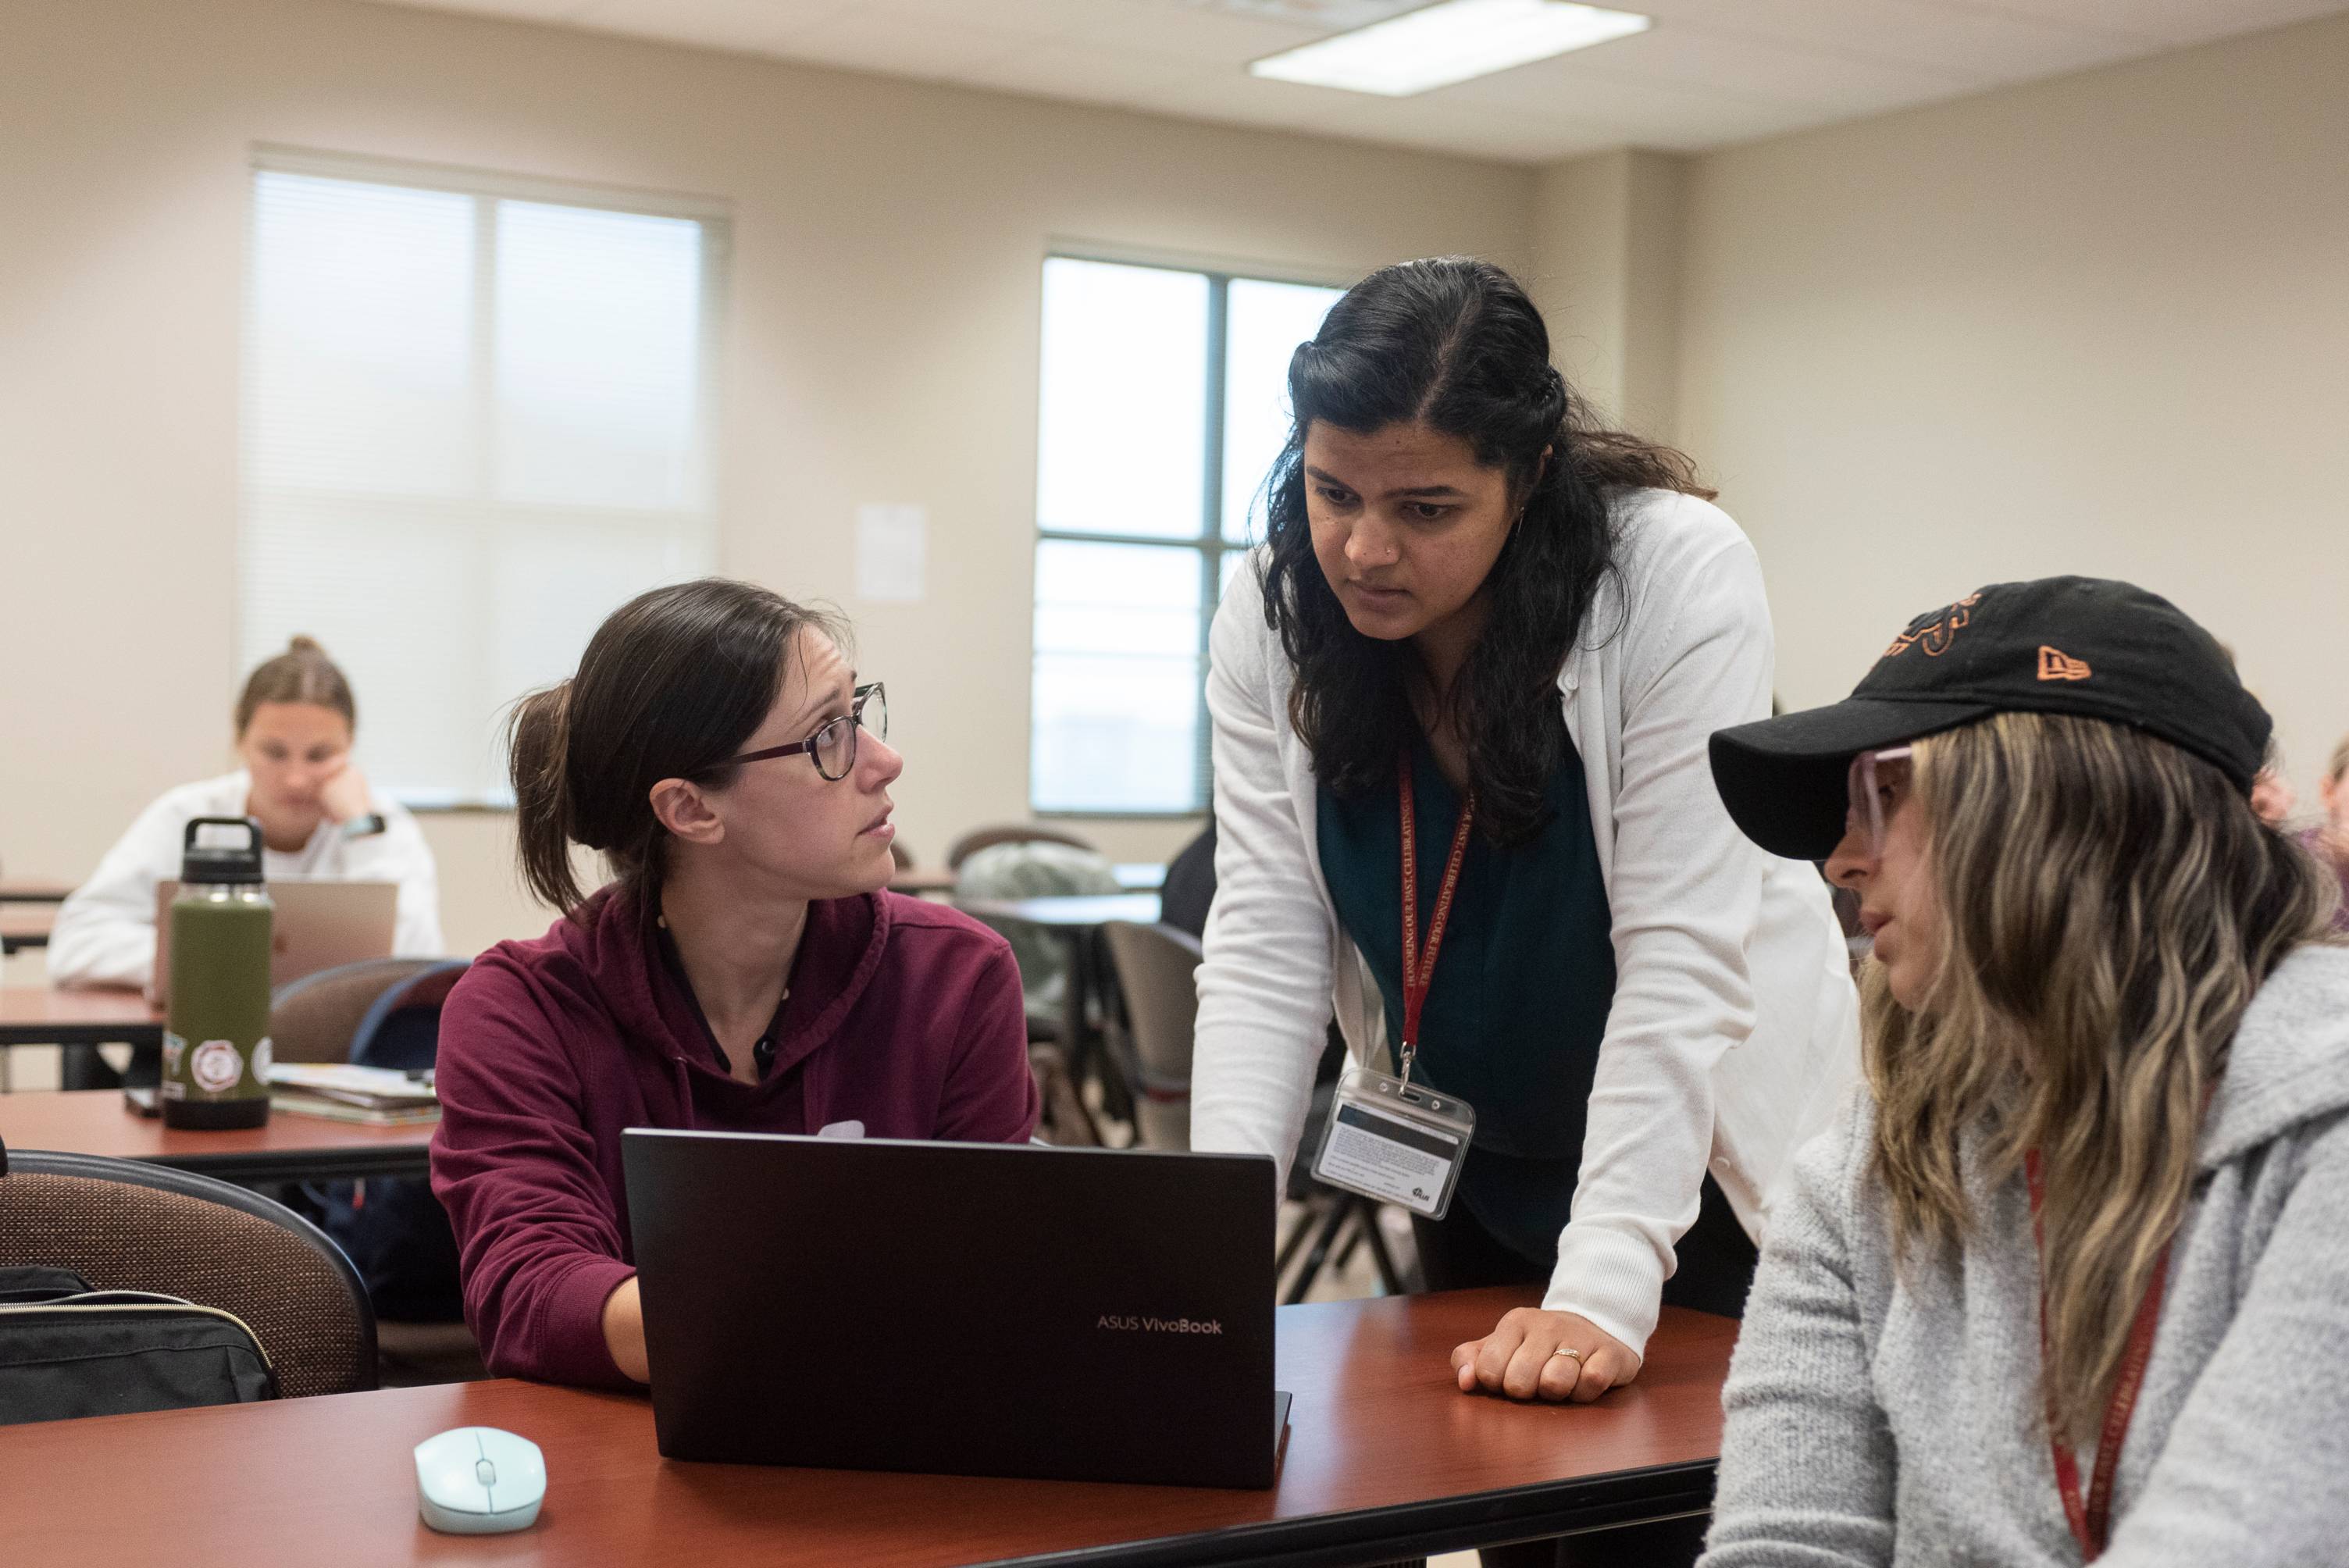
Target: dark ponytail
[1456, 344]
[672, 684]
[538, 741]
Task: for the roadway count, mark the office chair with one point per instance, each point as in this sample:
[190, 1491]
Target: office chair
[125, 1225]
[386, 1013]
[1157, 968]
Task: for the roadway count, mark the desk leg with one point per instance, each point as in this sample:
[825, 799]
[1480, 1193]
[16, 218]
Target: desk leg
[80, 1067]
[1072, 999]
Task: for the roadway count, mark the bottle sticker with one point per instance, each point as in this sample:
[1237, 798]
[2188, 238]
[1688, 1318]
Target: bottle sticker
[174, 1047]
[216, 1067]
[262, 1059]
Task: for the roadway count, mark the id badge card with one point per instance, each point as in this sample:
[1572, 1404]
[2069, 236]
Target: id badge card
[1395, 1143]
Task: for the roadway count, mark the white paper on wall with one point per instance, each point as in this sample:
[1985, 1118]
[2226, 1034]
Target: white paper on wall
[892, 541]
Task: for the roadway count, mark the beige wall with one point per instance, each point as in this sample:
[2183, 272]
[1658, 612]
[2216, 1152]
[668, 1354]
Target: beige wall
[882, 347]
[2099, 324]
[1607, 245]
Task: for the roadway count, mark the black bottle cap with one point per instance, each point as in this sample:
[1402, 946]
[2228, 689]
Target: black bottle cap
[220, 863]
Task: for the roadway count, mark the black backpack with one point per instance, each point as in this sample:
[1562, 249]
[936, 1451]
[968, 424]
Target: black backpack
[68, 1350]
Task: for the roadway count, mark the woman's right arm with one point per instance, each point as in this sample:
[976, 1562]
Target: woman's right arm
[105, 932]
[1264, 985]
[1805, 1477]
[538, 1239]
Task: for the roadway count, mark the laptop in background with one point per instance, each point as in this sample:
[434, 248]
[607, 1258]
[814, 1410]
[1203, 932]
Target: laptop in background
[959, 1308]
[314, 926]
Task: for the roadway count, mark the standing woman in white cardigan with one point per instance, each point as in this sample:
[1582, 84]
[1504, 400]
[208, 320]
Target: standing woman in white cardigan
[295, 723]
[1545, 621]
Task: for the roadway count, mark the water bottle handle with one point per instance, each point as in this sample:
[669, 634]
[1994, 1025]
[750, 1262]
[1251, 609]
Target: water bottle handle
[252, 825]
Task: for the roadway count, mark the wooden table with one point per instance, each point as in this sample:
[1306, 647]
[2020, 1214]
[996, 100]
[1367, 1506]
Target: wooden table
[38, 1015]
[23, 928]
[290, 1147]
[1385, 1459]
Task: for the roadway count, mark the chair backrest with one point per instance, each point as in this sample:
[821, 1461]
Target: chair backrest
[402, 1029]
[317, 1017]
[979, 838]
[1157, 970]
[124, 1225]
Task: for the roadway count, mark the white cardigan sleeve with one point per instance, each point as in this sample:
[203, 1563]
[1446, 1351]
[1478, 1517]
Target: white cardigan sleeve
[1264, 984]
[1684, 894]
[105, 931]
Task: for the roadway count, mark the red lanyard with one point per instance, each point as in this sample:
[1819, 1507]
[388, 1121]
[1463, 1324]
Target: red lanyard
[1418, 971]
[2092, 1520]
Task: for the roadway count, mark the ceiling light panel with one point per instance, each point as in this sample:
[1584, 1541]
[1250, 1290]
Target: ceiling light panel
[1452, 42]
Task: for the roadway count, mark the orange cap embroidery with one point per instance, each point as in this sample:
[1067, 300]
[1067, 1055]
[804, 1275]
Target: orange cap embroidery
[1936, 637]
[2057, 666]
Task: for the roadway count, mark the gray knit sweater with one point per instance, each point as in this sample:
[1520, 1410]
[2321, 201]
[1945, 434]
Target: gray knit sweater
[1879, 1419]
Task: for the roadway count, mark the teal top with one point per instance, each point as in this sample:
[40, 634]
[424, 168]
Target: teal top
[1522, 986]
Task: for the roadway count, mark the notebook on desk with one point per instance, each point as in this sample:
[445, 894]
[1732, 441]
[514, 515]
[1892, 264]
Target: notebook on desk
[959, 1308]
[314, 925]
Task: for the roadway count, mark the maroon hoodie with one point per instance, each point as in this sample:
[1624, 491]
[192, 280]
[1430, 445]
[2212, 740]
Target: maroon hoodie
[903, 1015]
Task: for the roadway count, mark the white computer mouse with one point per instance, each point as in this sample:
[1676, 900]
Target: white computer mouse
[479, 1480]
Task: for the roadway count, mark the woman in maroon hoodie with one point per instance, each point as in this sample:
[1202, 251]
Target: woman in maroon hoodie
[745, 970]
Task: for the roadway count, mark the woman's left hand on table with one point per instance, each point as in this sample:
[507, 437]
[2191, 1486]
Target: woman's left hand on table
[1522, 1359]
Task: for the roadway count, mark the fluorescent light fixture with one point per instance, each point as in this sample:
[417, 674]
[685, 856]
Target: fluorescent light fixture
[1440, 45]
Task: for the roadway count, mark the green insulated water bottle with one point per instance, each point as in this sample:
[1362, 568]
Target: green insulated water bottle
[216, 1040]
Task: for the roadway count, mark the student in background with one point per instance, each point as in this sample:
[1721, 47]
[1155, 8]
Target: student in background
[2068, 1279]
[1469, 588]
[2329, 841]
[295, 723]
[746, 971]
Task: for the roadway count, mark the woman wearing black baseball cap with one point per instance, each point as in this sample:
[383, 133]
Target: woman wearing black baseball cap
[2067, 1281]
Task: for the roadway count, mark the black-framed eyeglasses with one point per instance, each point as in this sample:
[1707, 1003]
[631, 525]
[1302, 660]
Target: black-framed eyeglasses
[833, 746]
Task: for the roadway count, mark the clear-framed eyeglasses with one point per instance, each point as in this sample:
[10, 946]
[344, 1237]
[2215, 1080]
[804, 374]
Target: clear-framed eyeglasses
[1878, 783]
[833, 746]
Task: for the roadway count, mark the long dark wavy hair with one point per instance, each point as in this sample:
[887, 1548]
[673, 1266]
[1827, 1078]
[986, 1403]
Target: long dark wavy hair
[1454, 343]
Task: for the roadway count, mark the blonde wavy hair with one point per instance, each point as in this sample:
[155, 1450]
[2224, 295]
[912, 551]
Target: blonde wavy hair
[2111, 904]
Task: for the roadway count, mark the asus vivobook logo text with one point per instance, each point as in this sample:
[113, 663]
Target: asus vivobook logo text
[1128, 1325]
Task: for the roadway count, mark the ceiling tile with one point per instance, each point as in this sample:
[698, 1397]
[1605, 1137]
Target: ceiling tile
[750, 26]
[1088, 74]
[1963, 39]
[1830, 84]
[895, 43]
[1187, 32]
[1709, 74]
[2170, 22]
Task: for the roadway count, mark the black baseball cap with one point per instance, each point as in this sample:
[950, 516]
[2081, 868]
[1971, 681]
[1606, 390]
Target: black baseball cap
[2081, 646]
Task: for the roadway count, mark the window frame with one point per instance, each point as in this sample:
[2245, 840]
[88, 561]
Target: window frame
[486, 188]
[1210, 544]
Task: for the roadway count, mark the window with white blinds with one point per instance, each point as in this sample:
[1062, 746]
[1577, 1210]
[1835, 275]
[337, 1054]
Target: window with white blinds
[478, 415]
[1164, 402]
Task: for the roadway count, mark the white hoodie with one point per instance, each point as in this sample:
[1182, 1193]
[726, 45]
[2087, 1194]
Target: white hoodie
[1734, 1028]
[105, 933]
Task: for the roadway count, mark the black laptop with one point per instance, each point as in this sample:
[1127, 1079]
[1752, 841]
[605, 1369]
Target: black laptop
[965, 1309]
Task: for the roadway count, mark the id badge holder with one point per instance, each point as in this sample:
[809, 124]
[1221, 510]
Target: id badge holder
[1395, 1143]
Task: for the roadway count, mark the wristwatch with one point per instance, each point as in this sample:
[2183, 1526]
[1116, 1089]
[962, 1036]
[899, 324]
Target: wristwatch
[364, 827]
